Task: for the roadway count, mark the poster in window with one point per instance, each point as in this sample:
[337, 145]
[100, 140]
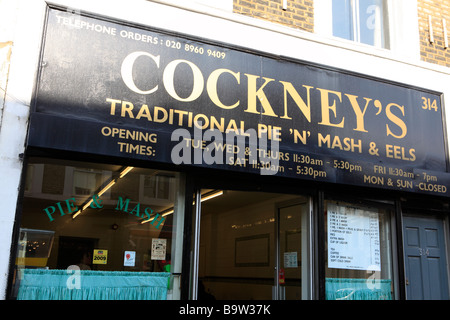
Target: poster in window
[129, 258]
[100, 256]
[290, 260]
[353, 238]
[159, 249]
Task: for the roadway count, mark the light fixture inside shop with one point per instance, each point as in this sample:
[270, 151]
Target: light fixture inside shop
[113, 181]
[163, 214]
[207, 196]
[125, 171]
[211, 195]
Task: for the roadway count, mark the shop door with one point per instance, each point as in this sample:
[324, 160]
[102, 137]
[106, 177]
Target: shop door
[292, 226]
[425, 259]
[253, 246]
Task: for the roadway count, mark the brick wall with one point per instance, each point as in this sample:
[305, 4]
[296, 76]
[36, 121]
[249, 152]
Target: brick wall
[299, 13]
[434, 52]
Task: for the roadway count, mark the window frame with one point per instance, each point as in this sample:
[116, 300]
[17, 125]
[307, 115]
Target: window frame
[174, 234]
[356, 24]
[391, 211]
[404, 40]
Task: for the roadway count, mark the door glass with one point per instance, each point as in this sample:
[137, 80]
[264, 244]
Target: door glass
[293, 248]
[238, 245]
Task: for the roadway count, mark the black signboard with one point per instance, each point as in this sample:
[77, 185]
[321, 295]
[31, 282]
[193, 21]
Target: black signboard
[114, 89]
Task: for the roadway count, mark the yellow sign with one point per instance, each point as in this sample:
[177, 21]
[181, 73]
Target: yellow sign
[100, 256]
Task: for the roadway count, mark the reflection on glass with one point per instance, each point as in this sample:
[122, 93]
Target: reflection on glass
[106, 229]
[343, 19]
[358, 252]
[293, 250]
[364, 21]
[244, 236]
[373, 22]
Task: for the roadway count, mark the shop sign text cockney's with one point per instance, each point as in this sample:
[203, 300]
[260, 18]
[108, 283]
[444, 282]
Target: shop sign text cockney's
[118, 90]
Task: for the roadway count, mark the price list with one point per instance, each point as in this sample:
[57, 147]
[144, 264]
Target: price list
[353, 238]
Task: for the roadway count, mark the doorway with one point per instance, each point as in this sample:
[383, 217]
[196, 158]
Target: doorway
[253, 246]
[75, 251]
[425, 258]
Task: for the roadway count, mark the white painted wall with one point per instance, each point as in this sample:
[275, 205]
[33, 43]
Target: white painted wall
[22, 25]
[201, 18]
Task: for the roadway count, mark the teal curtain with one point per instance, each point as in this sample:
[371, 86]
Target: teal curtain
[357, 289]
[40, 284]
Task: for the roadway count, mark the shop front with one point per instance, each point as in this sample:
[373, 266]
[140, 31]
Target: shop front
[162, 166]
[119, 244]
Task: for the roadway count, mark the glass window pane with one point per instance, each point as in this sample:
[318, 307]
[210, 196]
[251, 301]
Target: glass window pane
[364, 21]
[86, 182]
[343, 19]
[245, 237]
[372, 16]
[358, 252]
[97, 232]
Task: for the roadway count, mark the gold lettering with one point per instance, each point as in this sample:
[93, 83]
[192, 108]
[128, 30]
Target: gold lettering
[201, 124]
[396, 120]
[253, 94]
[304, 108]
[358, 113]
[398, 152]
[336, 143]
[412, 153]
[144, 112]
[181, 114]
[127, 107]
[219, 125]
[113, 105]
[163, 111]
[232, 126]
[323, 140]
[346, 144]
[326, 107]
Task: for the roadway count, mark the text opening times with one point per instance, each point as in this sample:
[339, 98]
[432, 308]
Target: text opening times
[301, 165]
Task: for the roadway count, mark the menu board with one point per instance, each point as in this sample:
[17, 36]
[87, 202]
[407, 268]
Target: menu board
[353, 238]
[159, 249]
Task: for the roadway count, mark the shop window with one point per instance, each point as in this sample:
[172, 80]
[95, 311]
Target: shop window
[80, 242]
[364, 21]
[358, 252]
[86, 182]
[158, 186]
[28, 180]
[53, 179]
[253, 246]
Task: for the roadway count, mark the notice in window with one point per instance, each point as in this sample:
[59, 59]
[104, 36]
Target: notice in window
[159, 249]
[129, 258]
[353, 238]
[100, 256]
[290, 260]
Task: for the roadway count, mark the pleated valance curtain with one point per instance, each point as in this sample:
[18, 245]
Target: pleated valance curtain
[357, 289]
[40, 284]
